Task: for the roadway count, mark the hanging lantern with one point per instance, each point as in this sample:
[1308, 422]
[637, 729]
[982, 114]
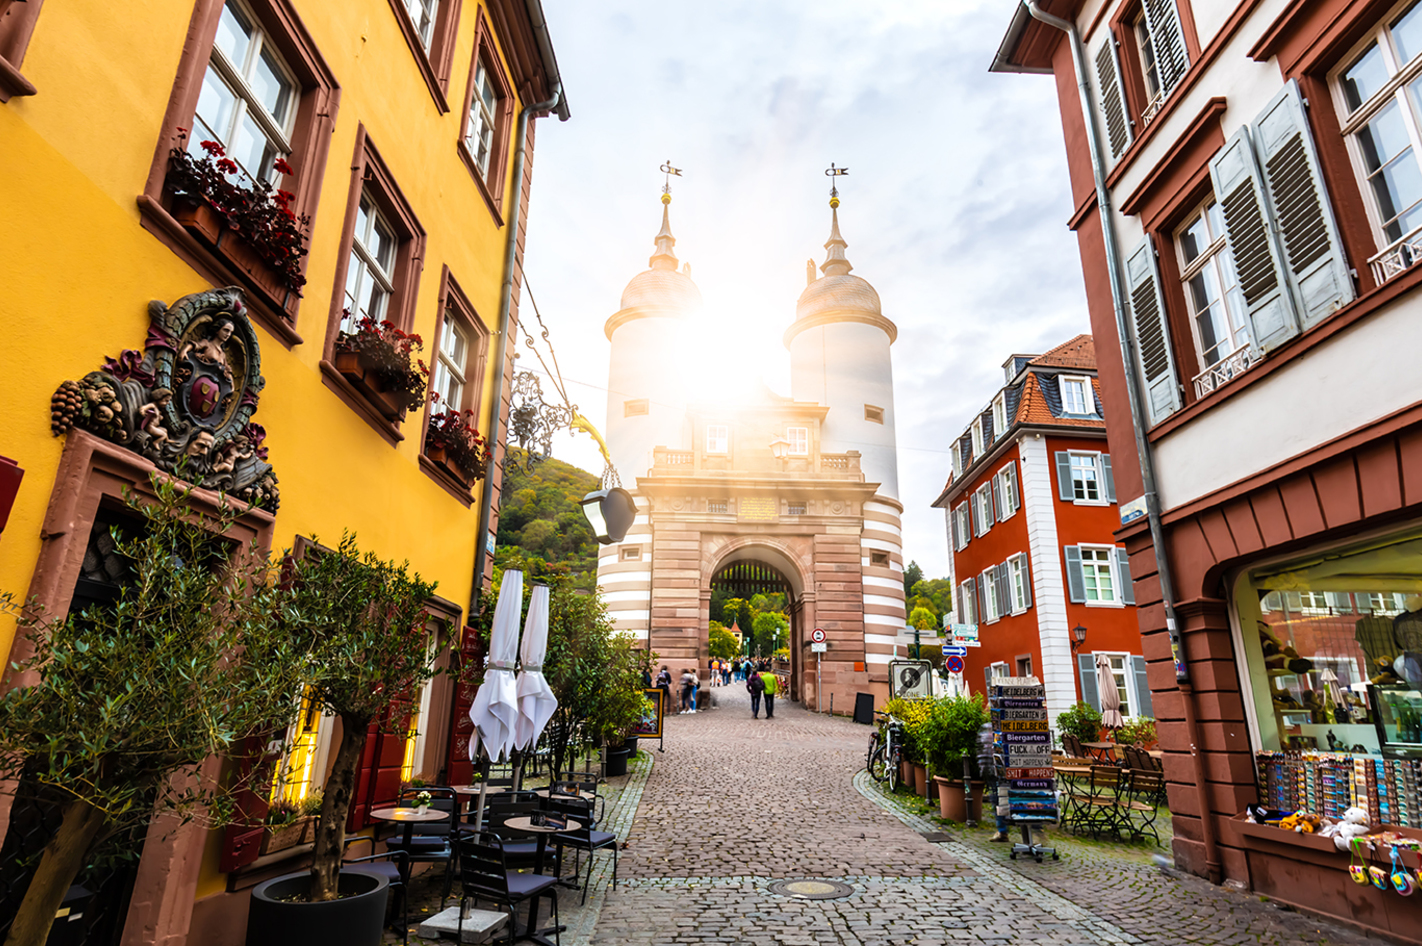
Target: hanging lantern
[610, 512]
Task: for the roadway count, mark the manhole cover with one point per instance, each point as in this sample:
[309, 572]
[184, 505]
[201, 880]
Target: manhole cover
[811, 889]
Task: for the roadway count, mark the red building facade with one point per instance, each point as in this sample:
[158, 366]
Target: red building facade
[1031, 506]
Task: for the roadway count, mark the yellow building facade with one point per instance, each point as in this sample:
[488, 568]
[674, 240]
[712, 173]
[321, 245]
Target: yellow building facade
[391, 130]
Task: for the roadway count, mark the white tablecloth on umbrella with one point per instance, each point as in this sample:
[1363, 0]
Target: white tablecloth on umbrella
[495, 709]
[536, 701]
[1110, 696]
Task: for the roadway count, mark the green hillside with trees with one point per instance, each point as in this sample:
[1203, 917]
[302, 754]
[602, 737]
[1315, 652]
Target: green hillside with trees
[541, 522]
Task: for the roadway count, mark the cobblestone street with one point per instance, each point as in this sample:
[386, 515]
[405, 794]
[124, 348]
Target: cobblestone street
[735, 803]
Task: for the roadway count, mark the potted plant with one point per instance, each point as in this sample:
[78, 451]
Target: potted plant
[115, 715]
[913, 714]
[363, 624]
[454, 442]
[1082, 720]
[1138, 731]
[380, 360]
[950, 735]
[247, 219]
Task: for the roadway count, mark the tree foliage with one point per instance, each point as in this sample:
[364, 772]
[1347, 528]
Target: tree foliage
[128, 700]
[912, 576]
[921, 618]
[542, 523]
[723, 643]
[769, 626]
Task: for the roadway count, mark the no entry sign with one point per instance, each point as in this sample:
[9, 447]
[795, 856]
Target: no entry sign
[954, 664]
[818, 636]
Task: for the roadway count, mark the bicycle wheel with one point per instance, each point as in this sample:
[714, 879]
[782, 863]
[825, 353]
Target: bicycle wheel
[878, 767]
[892, 764]
[869, 755]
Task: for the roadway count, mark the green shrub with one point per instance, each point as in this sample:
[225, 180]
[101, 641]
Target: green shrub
[1083, 721]
[1139, 731]
[950, 732]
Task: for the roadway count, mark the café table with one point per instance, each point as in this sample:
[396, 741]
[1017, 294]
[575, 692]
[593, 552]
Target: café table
[1101, 750]
[409, 817]
[1070, 774]
[542, 832]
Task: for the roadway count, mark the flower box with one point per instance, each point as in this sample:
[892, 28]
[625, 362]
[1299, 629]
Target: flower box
[205, 223]
[280, 837]
[360, 370]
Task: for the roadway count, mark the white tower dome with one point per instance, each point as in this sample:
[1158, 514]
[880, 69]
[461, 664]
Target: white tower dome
[646, 400]
[839, 357]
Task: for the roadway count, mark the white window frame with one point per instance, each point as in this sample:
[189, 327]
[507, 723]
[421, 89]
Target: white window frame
[999, 668]
[1100, 472]
[967, 602]
[423, 14]
[1090, 571]
[1088, 398]
[977, 433]
[1002, 494]
[799, 439]
[1395, 91]
[246, 102]
[450, 369]
[1215, 261]
[364, 265]
[482, 126]
[999, 416]
[795, 509]
[1018, 575]
[1127, 677]
[718, 438]
[956, 456]
[989, 586]
[963, 524]
[982, 503]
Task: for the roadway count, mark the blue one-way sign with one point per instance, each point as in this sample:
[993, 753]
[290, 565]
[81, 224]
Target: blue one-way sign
[950, 651]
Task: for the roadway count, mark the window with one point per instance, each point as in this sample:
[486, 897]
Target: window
[422, 16]
[977, 436]
[716, 438]
[999, 415]
[1120, 673]
[998, 669]
[799, 438]
[248, 97]
[1085, 477]
[479, 131]
[717, 506]
[451, 362]
[429, 29]
[1128, 674]
[1219, 318]
[967, 603]
[459, 356]
[875, 415]
[879, 558]
[795, 509]
[371, 270]
[1005, 492]
[17, 24]
[631, 553]
[1024, 666]
[1019, 583]
[982, 509]
[487, 119]
[1161, 46]
[961, 526]
[635, 407]
[1077, 396]
[987, 586]
[1098, 575]
[955, 452]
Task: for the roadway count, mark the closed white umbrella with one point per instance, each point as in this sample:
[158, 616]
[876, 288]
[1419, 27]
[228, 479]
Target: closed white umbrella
[1110, 697]
[536, 701]
[495, 709]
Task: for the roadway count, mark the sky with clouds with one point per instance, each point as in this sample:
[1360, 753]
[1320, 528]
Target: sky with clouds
[955, 206]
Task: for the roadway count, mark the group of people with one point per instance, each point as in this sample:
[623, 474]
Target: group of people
[761, 682]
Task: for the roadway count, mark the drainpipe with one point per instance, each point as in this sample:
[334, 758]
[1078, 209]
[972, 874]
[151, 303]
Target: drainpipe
[486, 497]
[1139, 424]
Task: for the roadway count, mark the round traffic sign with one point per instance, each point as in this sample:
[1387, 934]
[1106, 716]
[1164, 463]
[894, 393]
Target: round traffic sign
[818, 636]
[954, 664]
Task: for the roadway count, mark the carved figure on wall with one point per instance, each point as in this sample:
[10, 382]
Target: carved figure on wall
[186, 400]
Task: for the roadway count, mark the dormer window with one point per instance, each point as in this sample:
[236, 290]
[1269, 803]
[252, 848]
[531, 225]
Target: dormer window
[1077, 397]
[977, 437]
[999, 415]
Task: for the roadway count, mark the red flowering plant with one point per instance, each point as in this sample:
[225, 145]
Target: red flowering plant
[258, 212]
[465, 449]
[391, 355]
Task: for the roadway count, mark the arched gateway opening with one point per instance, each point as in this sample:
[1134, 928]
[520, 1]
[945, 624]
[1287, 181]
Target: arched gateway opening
[760, 570]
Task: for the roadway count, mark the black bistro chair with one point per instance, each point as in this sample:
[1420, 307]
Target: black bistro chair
[484, 875]
[520, 847]
[431, 841]
[394, 866]
[587, 839]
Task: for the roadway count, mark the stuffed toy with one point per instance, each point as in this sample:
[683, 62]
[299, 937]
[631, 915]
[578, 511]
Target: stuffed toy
[1301, 822]
[1353, 825]
[1385, 674]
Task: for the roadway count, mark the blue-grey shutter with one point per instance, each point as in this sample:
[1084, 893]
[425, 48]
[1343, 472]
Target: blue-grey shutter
[1109, 87]
[1253, 242]
[987, 679]
[1086, 666]
[1123, 568]
[1076, 581]
[1064, 489]
[1016, 494]
[1154, 359]
[1108, 478]
[1313, 253]
[980, 593]
[1004, 594]
[1026, 582]
[1142, 688]
[1168, 40]
[953, 528]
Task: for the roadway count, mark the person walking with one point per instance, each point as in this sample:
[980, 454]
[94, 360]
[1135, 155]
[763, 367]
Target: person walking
[687, 683]
[987, 767]
[771, 685]
[695, 688]
[664, 682]
[755, 686]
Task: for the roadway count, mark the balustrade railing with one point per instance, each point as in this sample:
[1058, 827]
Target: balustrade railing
[1225, 370]
[1397, 257]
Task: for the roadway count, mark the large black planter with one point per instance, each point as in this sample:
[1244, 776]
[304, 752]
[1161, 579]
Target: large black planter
[630, 744]
[357, 919]
[617, 761]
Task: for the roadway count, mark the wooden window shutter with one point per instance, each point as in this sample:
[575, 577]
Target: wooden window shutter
[1253, 242]
[986, 495]
[987, 678]
[1014, 492]
[1108, 478]
[1123, 571]
[1064, 488]
[1143, 705]
[1026, 582]
[1171, 58]
[1086, 667]
[1313, 252]
[1111, 92]
[953, 528]
[1152, 337]
[1076, 581]
[1003, 574]
[981, 590]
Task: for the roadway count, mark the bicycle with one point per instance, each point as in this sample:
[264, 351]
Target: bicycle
[885, 751]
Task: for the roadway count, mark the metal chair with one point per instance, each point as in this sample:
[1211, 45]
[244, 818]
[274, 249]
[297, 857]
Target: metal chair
[395, 870]
[520, 847]
[484, 875]
[432, 842]
[585, 839]
[1101, 807]
[1144, 796]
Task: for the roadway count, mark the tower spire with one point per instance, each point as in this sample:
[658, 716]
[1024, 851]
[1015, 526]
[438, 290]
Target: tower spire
[836, 263]
[665, 256]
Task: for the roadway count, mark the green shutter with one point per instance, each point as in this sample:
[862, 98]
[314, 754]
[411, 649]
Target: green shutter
[1109, 479]
[1064, 488]
[1123, 570]
[1086, 667]
[1142, 687]
[1076, 581]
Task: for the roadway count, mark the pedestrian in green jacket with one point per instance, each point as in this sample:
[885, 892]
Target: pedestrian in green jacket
[772, 686]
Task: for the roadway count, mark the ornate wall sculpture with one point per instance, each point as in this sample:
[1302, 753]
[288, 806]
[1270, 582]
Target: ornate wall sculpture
[186, 401]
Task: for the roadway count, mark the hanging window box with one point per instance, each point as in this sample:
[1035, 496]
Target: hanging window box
[455, 444]
[277, 838]
[379, 360]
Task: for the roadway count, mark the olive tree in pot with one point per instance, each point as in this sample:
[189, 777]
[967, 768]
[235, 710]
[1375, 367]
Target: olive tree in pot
[363, 623]
[118, 714]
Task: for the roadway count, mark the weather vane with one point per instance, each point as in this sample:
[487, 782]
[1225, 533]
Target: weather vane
[668, 170]
[833, 172]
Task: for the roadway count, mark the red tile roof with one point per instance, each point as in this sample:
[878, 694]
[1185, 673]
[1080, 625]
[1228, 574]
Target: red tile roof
[1080, 352]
